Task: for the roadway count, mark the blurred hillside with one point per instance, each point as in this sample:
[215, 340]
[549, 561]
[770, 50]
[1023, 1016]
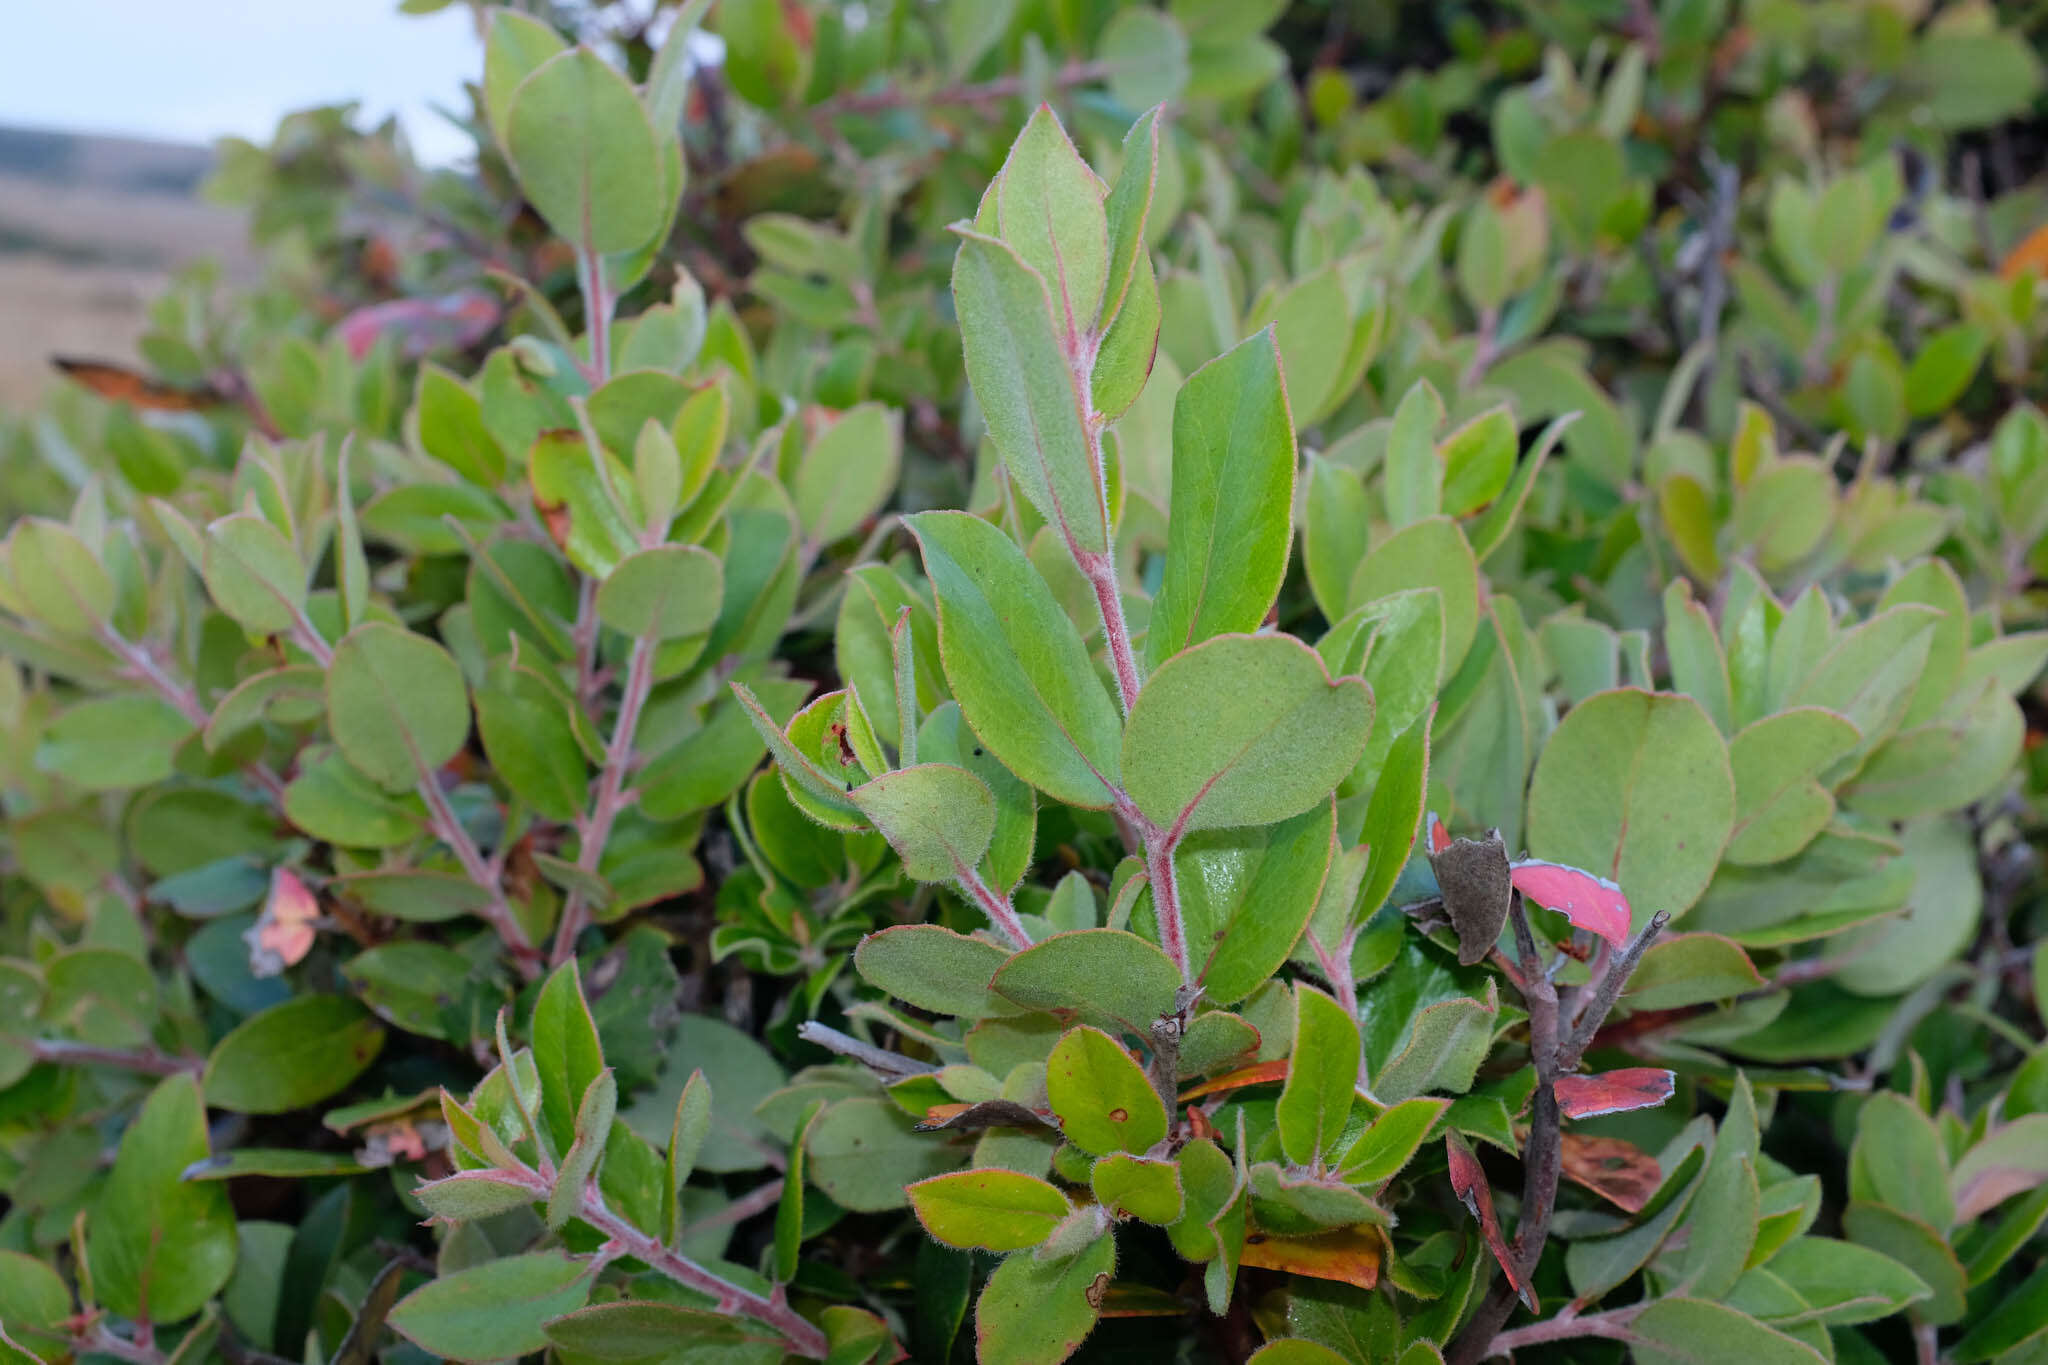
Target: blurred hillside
[90, 229]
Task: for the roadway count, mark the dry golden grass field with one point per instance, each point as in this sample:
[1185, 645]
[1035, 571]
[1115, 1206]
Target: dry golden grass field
[90, 229]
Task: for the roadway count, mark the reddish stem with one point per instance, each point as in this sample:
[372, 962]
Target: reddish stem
[612, 797]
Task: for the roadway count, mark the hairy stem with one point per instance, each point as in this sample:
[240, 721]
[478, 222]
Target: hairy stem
[804, 1337]
[1100, 570]
[597, 312]
[997, 906]
[498, 913]
[612, 797]
[1612, 1325]
[1173, 937]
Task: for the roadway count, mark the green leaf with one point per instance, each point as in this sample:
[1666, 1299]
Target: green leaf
[32, 1296]
[1445, 1046]
[468, 1196]
[1394, 814]
[739, 1074]
[1100, 1097]
[566, 1050]
[111, 743]
[254, 573]
[160, 1247]
[848, 473]
[60, 582]
[1635, 786]
[1147, 56]
[1722, 1227]
[1050, 212]
[585, 153]
[1322, 1079]
[1249, 893]
[1146, 1189]
[579, 1163]
[1414, 485]
[945, 738]
[1478, 459]
[1847, 1282]
[395, 705]
[864, 1155]
[1296, 1351]
[518, 43]
[1696, 1332]
[1429, 554]
[452, 430]
[565, 477]
[1698, 667]
[1943, 367]
[1379, 1153]
[1242, 730]
[650, 1330]
[1127, 212]
[686, 1139]
[664, 593]
[937, 817]
[1022, 677]
[1891, 956]
[1333, 532]
[2016, 1329]
[292, 1055]
[1028, 393]
[1034, 1312]
[1108, 971]
[1233, 495]
[1918, 1247]
[493, 1311]
[1691, 969]
[530, 738]
[931, 968]
[988, 1209]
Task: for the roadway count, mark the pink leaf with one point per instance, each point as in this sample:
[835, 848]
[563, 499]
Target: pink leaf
[1468, 1180]
[1613, 1092]
[451, 321]
[283, 933]
[1592, 903]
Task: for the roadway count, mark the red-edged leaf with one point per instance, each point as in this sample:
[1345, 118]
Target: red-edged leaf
[1613, 1092]
[1439, 837]
[1468, 1179]
[451, 322]
[1592, 903]
[1259, 1073]
[1620, 1172]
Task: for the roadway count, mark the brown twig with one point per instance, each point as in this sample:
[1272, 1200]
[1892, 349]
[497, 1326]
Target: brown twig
[1553, 1053]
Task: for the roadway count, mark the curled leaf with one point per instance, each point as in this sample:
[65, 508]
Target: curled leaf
[1468, 1180]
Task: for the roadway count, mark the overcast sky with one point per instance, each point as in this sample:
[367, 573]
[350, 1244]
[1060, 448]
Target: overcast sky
[193, 70]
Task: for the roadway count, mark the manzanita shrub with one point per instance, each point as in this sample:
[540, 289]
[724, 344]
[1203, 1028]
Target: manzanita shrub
[1394, 657]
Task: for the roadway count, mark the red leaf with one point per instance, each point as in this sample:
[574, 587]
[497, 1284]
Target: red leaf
[1592, 903]
[452, 321]
[1468, 1179]
[1439, 837]
[1620, 1172]
[1259, 1073]
[1613, 1092]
